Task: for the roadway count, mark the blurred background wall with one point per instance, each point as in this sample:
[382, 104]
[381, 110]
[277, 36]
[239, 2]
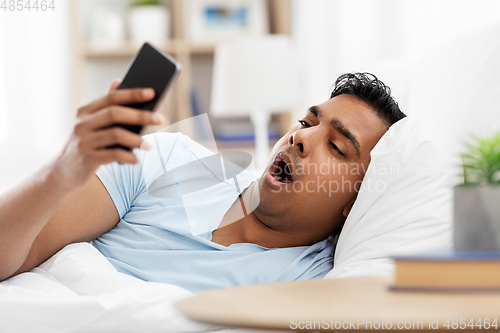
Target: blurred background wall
[43, 76]
[338, 36]
[35, 89]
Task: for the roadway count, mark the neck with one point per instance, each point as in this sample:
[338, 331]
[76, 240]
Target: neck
[239, 228]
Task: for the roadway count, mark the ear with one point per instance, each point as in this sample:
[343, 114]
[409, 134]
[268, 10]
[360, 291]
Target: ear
[347, 208]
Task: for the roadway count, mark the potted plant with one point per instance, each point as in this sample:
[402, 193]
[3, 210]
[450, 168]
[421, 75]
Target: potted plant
[477, 201]
[149, 20]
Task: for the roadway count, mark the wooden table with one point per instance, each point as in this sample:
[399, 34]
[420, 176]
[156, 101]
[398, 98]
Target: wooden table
[351, 303]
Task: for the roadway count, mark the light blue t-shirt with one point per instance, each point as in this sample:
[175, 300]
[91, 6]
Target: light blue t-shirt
[169, 239]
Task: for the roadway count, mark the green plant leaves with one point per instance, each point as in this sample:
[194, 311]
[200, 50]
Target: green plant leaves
[138, 3]
[481, 162]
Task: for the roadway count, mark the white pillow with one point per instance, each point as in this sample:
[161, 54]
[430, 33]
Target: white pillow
[404, 205]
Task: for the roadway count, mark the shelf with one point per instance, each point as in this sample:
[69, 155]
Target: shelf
[128, 50]
[202, 48]
[94, 68]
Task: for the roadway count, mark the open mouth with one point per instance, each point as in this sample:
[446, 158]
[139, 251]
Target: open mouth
[281, 169]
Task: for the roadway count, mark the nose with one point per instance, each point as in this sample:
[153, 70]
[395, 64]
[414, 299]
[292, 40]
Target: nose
[302, 140]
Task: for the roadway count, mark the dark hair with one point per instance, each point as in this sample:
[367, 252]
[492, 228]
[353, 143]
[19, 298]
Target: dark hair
[373, 92]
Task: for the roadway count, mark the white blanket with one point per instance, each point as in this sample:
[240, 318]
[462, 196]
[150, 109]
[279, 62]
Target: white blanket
[78, 290]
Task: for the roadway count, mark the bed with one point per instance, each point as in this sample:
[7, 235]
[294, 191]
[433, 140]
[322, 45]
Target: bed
[453, 91]
[78, 290]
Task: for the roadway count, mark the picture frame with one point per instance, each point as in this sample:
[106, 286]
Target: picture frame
[208, 21]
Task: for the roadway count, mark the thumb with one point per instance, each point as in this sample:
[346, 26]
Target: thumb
[115, 84]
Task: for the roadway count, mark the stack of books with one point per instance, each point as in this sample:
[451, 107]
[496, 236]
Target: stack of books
[448, 271]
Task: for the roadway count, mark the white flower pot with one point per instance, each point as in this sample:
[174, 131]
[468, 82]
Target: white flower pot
[477, 218]
[149, 23]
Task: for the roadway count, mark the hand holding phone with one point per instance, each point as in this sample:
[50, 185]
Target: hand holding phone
[109, 127]
[94, 131]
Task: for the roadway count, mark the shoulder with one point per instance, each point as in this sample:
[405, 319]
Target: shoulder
[317, 260]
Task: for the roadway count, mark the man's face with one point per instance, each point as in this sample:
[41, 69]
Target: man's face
[316, 169]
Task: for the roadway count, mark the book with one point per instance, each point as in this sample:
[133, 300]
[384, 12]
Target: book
[448, 270]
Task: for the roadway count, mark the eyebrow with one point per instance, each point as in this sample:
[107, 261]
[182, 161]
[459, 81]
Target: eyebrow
[337, 124]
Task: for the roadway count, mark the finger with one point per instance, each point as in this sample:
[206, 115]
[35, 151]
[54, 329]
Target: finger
[105, 156]
[114, 85]
[121, 96]
[123, 115]
[113, 136]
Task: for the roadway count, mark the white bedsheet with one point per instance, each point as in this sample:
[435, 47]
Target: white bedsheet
[78, 290]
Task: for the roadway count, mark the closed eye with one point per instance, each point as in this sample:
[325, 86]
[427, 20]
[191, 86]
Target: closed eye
[334, 146]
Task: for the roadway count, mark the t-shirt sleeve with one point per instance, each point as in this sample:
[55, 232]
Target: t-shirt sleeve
[124, 182]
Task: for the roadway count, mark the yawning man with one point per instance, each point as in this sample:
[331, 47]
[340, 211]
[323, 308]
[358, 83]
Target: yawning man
[276, 227]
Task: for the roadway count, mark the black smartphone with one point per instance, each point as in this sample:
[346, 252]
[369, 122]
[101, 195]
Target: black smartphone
[150, 68]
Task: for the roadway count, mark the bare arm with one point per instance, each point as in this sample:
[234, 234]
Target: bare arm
[23, 212]
[80, 217]
[65, 202]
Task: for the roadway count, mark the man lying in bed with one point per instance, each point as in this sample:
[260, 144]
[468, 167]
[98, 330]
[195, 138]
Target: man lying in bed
[80, 197]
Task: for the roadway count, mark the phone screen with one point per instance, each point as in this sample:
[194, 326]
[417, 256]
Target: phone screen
[150, 68]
